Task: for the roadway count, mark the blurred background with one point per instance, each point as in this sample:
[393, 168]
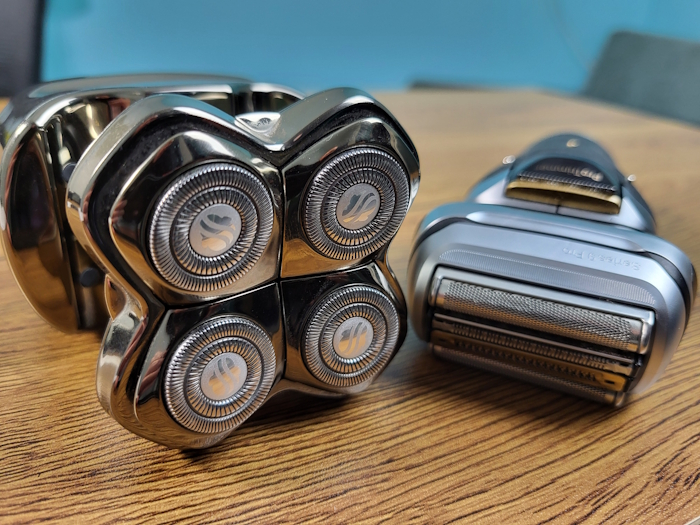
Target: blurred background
[640, 53]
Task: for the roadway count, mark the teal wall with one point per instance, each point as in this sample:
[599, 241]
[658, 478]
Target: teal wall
[312, 45]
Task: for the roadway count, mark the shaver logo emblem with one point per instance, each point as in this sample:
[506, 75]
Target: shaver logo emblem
[215, 230]
[223, 376]
[360, 207]
[353, 337]
[357, 206]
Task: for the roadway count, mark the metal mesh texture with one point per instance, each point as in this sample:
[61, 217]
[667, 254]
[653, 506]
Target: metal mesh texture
[542, 315]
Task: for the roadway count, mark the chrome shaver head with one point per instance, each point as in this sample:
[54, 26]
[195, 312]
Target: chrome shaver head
[550, 272]
[231, 235]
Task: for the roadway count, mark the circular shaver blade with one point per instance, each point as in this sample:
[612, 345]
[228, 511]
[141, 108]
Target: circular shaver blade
[219, 375]
[355, 203]
[210, 227]
[350, 336]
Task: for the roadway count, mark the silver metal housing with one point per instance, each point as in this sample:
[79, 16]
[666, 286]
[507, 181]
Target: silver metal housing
[176, 138]
[322, 243]
[176, 233]
[171, 343]
[592, 304]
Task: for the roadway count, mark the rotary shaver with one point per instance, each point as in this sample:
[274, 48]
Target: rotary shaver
[231, 235]
[550, 272]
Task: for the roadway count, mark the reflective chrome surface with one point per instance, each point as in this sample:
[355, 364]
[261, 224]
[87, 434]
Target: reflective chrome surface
[168, 148]
[208, 228]
[214, 230]
[358, 206]
[43, 134]
[146, 409]
[370, 293]
[172, 206]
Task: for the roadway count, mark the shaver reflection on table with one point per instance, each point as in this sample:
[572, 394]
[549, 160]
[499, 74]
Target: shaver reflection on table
[550, 272]
[232, 236]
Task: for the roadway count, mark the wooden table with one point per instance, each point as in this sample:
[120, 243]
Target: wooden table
[429, 441]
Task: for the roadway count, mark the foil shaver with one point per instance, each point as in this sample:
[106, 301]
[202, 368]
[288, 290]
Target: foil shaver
[550, 272]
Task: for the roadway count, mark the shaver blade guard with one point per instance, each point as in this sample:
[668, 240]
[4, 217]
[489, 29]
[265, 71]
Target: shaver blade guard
[583, 345]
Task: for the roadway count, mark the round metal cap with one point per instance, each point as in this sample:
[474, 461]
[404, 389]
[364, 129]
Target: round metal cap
[215, 230]
[219, 374]
[353, 337]
[357, 206]
[223, 376]
[350, 336]
[210, 227]
[355, 203]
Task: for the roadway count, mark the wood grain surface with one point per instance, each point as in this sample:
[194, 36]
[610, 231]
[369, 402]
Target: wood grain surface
[429, 441]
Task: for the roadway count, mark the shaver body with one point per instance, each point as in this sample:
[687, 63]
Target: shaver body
[231, 235]
[550, 272]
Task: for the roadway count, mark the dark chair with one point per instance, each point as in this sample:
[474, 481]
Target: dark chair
[21, 26]
[654, 74]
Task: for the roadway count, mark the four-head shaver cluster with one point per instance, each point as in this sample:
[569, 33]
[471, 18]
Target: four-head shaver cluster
[232, 235]
[550, 272]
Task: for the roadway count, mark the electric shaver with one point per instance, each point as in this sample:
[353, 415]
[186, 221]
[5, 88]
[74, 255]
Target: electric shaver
[231, 235]
[550, 272]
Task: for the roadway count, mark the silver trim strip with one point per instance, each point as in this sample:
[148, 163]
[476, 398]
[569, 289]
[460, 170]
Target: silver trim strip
[589, 392]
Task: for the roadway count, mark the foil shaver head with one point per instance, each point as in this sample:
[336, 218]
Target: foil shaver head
[550, 272]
